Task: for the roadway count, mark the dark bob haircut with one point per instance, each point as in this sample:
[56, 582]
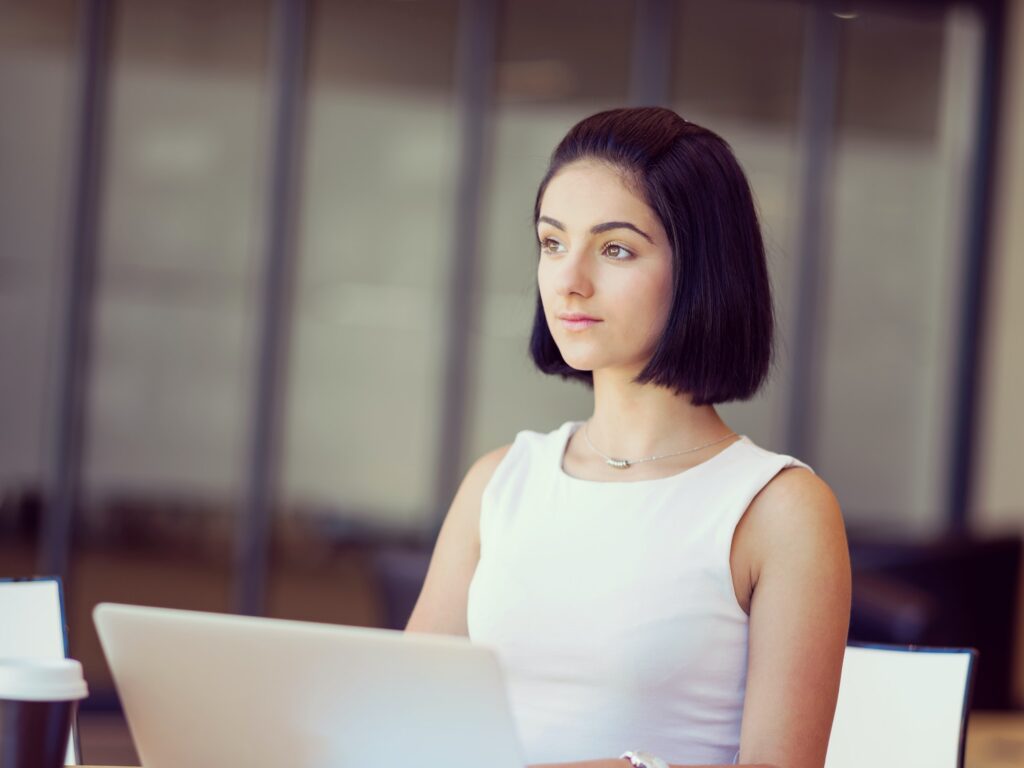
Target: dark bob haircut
[717, 343]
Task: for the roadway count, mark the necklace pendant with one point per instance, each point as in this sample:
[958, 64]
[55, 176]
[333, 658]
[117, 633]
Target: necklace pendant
[618, 463]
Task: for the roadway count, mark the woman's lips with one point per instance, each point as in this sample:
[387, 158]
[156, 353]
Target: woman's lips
[577, 322]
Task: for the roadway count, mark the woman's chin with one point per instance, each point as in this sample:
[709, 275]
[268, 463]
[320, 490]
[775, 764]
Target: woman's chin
[581, 368]
[593, 363]
[581, 362]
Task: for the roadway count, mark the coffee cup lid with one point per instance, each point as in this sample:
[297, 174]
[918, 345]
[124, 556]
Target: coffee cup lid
[41, 680]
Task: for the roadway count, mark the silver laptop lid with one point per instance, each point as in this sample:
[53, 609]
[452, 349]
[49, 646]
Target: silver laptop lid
[205, 689]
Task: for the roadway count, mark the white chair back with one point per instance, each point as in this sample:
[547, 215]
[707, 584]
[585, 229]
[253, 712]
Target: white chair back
[32, 617]
[902, 706]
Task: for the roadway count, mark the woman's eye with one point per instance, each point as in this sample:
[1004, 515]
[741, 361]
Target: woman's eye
[548, 245]
[618, 252]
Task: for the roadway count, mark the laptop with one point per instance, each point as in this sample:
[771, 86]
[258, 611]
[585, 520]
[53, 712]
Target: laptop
[207, 689]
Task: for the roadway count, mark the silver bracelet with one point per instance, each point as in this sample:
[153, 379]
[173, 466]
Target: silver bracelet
[643, 760]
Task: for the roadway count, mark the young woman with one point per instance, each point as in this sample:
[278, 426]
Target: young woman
[660, 590]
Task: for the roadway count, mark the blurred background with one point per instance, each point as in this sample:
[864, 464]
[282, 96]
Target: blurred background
[267, 277]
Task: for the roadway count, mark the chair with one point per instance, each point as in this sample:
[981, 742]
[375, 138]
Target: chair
[32, 617]
[959, 591]
[902, 706]
[400, 573]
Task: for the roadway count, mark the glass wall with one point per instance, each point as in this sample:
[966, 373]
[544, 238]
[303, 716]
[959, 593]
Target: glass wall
[890, 302]
[548, 77]
[37, 80]
[375, 256]
[175, 307]
[753, 102]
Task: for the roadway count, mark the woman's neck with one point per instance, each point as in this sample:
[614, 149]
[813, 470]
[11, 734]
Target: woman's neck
[634, 420]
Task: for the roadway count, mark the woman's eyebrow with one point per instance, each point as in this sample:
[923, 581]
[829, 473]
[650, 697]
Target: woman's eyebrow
[598, 228]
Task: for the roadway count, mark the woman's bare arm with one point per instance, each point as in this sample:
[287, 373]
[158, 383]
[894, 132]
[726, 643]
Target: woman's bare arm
[799, 617]
[441, 607]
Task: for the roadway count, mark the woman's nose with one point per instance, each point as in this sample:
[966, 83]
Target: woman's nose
[573, 275]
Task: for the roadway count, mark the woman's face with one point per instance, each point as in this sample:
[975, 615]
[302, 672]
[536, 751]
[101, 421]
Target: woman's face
[604, 256]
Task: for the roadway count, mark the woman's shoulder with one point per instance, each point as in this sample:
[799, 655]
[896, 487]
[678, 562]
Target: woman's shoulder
[484, 467]
[524, 442]
[545, 435]
[537, 440]
[795, 512]
[797, 487]
[764, 454]
[794, 488]
[794, 504]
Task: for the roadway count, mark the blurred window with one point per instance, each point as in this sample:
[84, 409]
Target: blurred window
[557, 63]
[908, 105]
[37, 80]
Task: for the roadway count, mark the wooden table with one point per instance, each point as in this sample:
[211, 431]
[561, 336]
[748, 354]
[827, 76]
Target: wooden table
[994, 740]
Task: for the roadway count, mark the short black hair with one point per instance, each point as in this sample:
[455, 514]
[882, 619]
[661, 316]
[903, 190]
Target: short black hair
[717, 342]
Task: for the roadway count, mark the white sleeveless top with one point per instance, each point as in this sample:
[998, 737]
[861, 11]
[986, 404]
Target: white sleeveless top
[611, 604]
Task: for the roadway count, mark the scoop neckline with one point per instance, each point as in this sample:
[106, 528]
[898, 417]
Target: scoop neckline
[570, 428]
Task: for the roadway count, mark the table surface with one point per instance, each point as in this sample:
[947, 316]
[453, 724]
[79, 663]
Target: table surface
[994, 740]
